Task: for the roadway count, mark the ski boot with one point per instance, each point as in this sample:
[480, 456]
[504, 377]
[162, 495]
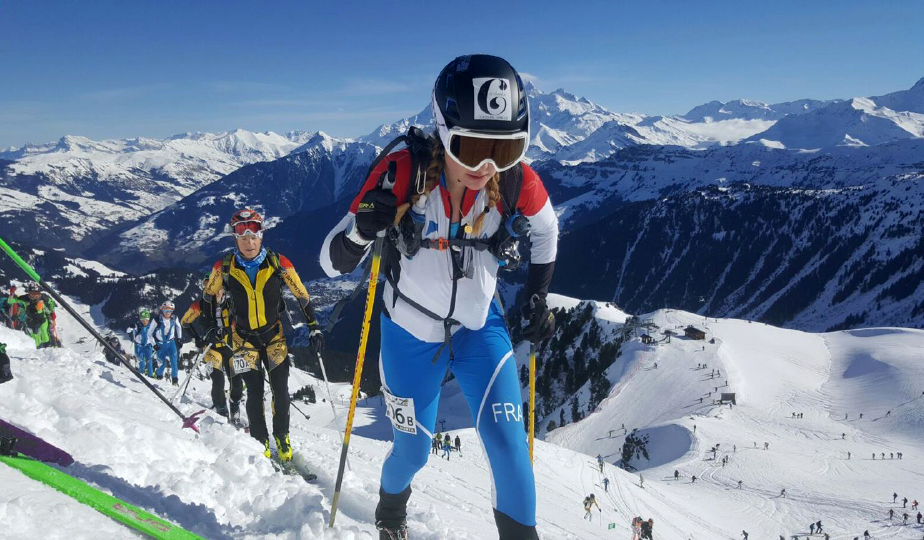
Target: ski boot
[5, 374]
[235, 416]
[222, 410]
[510, 529]
[176, 382]
[266, 449]
[391, 515]
[283, 448]
[390, 533]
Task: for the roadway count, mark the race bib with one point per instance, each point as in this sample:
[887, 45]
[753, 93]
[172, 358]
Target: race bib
[240, 363]
[401, 412]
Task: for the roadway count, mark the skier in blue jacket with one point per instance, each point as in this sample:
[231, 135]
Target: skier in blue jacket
[165, 334]
[144, 349]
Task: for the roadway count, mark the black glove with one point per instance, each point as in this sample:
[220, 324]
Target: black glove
[539, 321]
[215, 335]
[316, 338]
[376, 212]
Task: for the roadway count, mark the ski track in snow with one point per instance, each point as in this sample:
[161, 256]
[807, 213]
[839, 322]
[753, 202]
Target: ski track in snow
[218, 484]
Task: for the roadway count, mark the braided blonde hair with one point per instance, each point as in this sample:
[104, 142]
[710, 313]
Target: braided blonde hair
[435, 169]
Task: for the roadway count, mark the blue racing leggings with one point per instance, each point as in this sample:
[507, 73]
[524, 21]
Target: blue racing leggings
[145, 364]
[168, 350]
[486, 370]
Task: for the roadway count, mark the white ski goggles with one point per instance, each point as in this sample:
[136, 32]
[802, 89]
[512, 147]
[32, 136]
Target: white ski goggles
[472, 149]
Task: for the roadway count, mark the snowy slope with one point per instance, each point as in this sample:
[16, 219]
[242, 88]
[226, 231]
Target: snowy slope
[774, 373]
[218, 485]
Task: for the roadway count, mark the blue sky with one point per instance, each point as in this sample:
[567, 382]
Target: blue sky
[109, 69]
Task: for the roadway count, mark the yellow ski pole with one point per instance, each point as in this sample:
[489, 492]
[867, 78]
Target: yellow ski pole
[387, 182]
[532, 398]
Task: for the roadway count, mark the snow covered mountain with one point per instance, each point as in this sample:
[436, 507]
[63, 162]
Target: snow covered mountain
[746, 109]
[64, 194]
[809, 241]
[191, 231]
[573, 129]
[855, 122]
[218, 485]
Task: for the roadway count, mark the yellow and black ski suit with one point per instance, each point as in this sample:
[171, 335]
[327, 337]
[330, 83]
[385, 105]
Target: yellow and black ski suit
[256, 302]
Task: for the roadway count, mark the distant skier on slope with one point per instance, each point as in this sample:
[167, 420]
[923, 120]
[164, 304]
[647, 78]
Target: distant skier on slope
[40, 316]
[606, 484]
[636, 528]
[165, 335]
[144, 349]
[113, 341]
[5, 373]
[589, 502]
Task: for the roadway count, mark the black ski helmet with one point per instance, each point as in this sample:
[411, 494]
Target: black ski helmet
[480, 93]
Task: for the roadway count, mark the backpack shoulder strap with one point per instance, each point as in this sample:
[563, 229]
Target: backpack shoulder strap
[511, 182]
[273, 259]
[226, 270]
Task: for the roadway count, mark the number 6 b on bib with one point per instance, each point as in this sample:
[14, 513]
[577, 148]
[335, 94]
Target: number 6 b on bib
[401, 412]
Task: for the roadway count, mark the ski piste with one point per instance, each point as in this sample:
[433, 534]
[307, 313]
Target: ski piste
[121, 511]
[35, 447]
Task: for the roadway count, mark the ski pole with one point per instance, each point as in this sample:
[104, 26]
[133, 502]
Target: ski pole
[330, 398]
[387, 181]
[532, 398]
[188, 421]
[189, 375]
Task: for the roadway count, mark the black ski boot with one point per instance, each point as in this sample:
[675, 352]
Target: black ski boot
[222, 410]
[386, 533]
[5, 373]
[235, 412]
[391, 515]
[176, 382]
[511, 529]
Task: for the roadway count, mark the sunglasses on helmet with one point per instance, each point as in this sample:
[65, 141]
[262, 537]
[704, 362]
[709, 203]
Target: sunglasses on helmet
[244, 228]
[472, 150]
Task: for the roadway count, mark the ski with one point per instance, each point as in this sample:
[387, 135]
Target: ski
[121, 511]
[34, 447]
[297, 467]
